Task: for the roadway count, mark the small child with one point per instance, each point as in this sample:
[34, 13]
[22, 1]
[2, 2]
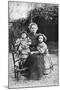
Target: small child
[23, 43]
[43, 49]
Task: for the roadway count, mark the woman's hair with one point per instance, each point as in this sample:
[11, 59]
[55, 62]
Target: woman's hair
[31, 24]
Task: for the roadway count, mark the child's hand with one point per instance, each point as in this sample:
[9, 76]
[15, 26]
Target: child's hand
[41, 51]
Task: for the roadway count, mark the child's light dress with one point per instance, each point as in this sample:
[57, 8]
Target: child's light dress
[42, 48]
[23, 49]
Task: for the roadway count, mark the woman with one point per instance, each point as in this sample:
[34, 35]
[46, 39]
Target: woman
[34, 62]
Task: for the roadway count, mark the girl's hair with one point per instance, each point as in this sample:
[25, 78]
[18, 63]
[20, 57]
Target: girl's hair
[44, 37]
[23, 32]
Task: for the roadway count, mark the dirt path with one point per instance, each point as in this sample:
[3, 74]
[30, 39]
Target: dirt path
[47, 80]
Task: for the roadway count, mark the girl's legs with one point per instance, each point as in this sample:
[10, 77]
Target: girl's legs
[48, 64]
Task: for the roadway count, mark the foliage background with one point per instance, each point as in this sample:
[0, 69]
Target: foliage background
[44, 15]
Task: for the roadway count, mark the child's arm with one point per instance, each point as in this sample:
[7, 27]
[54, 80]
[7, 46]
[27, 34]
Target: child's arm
[42, 49]
[17, 42]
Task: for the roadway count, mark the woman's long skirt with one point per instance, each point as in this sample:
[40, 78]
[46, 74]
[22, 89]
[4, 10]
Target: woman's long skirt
[35, 67]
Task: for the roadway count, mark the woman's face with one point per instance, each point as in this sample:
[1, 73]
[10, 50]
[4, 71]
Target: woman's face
[33, 29]
[40, 38]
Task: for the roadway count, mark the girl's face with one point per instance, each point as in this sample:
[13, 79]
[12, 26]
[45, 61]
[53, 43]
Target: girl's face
[40, 38]
[33, 29]
[23, 35]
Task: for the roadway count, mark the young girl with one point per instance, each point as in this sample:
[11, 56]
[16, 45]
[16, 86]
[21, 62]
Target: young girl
[23, 49]
[43, 49]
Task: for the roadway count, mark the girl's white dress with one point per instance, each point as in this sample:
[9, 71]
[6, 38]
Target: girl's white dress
[42, 48]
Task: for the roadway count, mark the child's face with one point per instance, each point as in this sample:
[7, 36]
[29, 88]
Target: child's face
[23, 35]
[34, 28]
[40, 38]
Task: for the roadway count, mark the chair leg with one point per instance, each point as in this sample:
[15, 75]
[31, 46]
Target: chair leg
[17, 75]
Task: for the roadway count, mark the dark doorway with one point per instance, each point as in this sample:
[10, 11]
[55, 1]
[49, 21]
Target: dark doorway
[49, 28]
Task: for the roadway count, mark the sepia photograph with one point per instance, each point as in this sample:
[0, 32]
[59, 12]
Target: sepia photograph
[33, 57]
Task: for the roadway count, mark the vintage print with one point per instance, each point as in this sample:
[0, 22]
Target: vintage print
[33, 44]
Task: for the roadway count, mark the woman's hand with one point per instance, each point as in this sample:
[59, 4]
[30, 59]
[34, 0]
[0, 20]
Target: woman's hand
[35, 52]
[32, 52]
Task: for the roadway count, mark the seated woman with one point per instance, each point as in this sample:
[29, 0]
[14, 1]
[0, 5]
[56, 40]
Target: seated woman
[34, 62]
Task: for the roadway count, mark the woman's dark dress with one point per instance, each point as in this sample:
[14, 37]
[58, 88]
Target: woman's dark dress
[33, 40]
[35, 62]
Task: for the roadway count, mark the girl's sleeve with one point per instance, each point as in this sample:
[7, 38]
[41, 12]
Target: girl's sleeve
[40, 50]
[20, 47]
[46, 49]
[43, 49]
[29, 40]
[17, 42]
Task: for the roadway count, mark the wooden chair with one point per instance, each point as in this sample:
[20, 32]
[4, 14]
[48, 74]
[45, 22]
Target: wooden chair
[17, 70]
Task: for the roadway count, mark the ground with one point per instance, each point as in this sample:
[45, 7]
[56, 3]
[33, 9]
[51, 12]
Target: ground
[51, 79]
